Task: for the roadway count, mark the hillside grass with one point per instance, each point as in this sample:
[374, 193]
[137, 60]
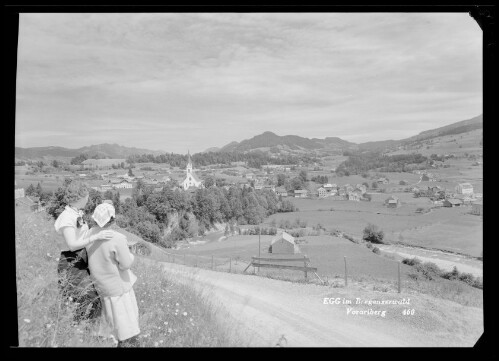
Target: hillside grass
[170, 314]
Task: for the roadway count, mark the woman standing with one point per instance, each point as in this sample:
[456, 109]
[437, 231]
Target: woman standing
[74, 275]
[110, 263]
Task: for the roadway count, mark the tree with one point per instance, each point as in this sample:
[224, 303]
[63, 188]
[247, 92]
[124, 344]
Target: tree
[30, 191]
[55, 164]
[303, 175]
[209, 182]
[281, 179]
[372, 234]
[122, 164]
[130, 173]
[374, 185]
[38, 190]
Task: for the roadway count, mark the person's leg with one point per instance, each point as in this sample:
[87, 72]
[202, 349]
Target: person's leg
[130, 342]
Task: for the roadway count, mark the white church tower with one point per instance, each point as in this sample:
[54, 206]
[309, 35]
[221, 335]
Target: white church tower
[191, 180]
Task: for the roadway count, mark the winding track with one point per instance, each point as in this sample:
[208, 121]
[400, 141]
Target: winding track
[261, 311]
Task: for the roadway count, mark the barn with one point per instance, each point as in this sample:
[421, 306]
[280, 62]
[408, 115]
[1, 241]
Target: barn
[452, 202]
[284, 244]
[392, 202]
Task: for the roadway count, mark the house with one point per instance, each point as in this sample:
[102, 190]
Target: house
[382, 180]
[105, 187]
[301, 193]
[124, 184]
[452, 202]
[284, 243]
[464, 188]
[477, 208]
[280, 191]
[392, 202]
[250, 175]
[428, 177]
[191, 180]
[322, 192]
[18, 193]
[157, 189]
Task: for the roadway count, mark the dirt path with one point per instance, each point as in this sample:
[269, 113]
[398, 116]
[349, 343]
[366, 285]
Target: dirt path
[262, 311]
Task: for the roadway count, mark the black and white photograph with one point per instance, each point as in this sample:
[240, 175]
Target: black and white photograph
[249, 179]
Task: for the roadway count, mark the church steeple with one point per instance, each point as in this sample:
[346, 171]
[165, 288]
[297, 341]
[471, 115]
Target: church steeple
[189, 163]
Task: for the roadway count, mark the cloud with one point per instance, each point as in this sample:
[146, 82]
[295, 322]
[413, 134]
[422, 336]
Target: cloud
[178, 81]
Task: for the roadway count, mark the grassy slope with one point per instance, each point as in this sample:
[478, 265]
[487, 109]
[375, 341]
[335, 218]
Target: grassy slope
[44, 321]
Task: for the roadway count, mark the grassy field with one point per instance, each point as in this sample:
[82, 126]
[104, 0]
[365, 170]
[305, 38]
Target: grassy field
[452, 229]
[170, 314]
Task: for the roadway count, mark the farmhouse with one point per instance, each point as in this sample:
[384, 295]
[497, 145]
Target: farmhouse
[284, 244]
[392, 202]
[464, 188]
[428, 177]
[124, 184]
[322, 192]
[301, 193]
[477, 208]
[191, 180]
[452, 202]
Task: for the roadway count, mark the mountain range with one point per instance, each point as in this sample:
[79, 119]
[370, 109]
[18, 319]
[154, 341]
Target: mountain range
[105, 150]
[266, 141]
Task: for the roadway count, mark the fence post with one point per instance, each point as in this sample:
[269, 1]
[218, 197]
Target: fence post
[173, 257]
[184, 260]
[399, 286]
[230, 265]
[196, 260]
[346, 273]
[212, 262]
[305, 264]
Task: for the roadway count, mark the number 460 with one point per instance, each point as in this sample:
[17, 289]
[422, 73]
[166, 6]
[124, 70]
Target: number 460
[408, 312]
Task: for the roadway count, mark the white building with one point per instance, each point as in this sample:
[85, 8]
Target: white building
[464, 188]
[191, 180]
[124, 184]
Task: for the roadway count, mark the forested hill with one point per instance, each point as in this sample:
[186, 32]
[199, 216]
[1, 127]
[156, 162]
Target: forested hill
[100, 151]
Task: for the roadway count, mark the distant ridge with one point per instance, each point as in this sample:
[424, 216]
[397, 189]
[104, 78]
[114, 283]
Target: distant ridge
[101, 150]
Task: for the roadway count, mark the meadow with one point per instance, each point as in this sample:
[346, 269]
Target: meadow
[452, 229]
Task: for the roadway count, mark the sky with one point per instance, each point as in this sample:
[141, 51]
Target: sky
[176, 82]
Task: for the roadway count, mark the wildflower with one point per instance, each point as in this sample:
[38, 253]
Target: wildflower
[176, 304]
[48, 325]
[166, 323]
[185, 313]
[160, 341]
[169, 330]
[27, 320]
[190, 319]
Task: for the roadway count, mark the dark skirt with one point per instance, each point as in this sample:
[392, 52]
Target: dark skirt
[75, 282]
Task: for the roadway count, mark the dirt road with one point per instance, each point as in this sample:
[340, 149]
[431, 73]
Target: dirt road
[265, 312]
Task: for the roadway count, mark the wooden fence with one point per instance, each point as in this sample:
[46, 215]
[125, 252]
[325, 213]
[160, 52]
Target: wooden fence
[273, 262]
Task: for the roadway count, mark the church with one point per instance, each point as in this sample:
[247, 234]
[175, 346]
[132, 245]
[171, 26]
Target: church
[191, 180]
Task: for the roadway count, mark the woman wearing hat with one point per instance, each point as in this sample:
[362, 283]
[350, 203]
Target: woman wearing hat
[74, 276]
[109, 263]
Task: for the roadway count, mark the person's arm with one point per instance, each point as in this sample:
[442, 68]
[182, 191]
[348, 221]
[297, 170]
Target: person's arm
[85, 239]
[123, 255]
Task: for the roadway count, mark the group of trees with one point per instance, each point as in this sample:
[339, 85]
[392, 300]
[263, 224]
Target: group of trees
[360, 162]
[38, 191]
[322, 179]
[253, 159]
[149, 214]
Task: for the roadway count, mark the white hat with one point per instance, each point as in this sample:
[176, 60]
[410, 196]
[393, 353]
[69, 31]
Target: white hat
[103, 213]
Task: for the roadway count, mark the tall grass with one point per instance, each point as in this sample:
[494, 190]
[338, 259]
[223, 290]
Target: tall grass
[170, 314]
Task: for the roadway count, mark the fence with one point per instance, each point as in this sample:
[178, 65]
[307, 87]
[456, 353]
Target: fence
[240, 265]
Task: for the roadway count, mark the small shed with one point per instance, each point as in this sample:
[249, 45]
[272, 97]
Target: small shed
[284, 243]
[452, 202]
[392, 202]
